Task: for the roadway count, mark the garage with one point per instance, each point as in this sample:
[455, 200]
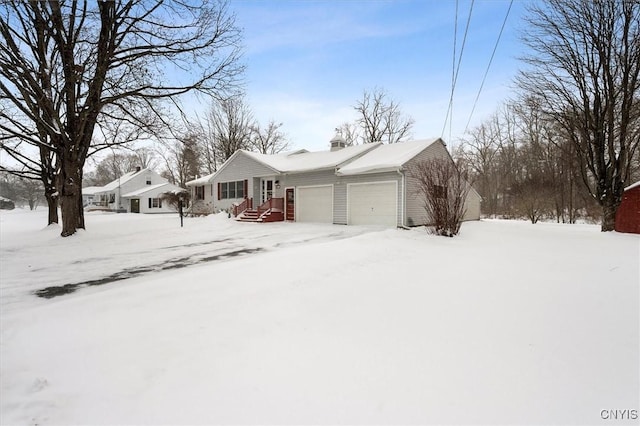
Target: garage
[372, 203]
[314, 204]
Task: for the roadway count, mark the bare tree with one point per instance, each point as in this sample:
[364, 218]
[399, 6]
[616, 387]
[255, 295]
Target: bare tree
[380, 119]
[585, 69]
[443, 190]
[479, 150]
[66, 64]
[120, 162]
[268, 140]
[350, 132]
[181, 160]
[204, 134]
[229, 125]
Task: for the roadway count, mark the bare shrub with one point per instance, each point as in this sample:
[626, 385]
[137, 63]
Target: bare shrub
[443, 190]
[175, 199]
[534, 198]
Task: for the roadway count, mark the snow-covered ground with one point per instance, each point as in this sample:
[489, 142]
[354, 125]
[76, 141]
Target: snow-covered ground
[226, 322]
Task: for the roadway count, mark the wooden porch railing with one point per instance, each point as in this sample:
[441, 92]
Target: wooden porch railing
[271, 203]
[247, 203]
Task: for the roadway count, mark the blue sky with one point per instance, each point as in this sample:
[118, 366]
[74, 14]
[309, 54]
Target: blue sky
[308, 62]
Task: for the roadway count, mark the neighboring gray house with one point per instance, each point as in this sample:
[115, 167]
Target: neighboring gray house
[357, 185]
[138, 191]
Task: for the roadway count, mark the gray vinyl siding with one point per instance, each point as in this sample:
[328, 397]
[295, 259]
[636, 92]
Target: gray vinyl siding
[415, 214]
[340, 214]
[340, 203]
[242, 167]
[317, 178]
[472, 206]
[321, 177]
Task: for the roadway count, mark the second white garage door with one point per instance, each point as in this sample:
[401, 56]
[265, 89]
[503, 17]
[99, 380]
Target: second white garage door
[314, 204]
[373, 203]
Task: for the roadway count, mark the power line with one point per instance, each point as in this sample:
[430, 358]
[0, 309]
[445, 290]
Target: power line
[488, 66]
[453, 69]
[455, 79]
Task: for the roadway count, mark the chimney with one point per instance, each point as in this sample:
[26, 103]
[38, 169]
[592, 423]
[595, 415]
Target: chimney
[338, 141]
[138, 169]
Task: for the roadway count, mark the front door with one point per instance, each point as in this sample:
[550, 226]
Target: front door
[135, 205]
[267, 190]
[290, 204]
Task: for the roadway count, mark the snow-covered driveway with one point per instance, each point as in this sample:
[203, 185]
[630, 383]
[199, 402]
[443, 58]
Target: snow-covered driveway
[120, 246]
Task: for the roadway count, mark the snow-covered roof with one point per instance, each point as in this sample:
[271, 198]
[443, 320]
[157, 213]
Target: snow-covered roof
[308, 161]
[633, 185]
[386, 157]
[90, 190]
[201, 180]
[111, 186]
[294, 152]
[167, 187]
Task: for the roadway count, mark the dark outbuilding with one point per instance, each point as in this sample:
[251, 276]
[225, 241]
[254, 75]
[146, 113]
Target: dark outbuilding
[628, 214]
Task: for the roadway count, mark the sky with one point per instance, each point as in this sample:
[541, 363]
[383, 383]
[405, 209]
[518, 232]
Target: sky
[308, 62]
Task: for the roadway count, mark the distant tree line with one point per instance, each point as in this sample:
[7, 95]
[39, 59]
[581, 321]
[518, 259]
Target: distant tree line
[523, 166]
[23, 192]
[570, 141]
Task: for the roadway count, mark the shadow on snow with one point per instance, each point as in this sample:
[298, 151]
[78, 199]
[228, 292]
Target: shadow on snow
[182, 262]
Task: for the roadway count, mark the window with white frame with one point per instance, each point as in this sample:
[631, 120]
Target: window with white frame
[155, 203]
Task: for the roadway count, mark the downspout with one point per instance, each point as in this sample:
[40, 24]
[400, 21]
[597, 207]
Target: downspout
[402, 197]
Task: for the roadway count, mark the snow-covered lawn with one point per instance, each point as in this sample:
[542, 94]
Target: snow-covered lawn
[226, 322]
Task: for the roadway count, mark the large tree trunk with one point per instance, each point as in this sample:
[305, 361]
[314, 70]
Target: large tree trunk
[609, 209]
[52, 203]
[71, 198]
[51, 195]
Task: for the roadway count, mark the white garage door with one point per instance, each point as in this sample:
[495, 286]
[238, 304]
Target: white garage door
[314, 204]
[372, 203]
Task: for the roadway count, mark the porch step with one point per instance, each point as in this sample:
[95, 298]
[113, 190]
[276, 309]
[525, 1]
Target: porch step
[248, 215]
[251, 215]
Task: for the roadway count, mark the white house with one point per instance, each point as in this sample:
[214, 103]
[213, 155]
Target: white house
[149, 198]
[355, 185]
[138, 191]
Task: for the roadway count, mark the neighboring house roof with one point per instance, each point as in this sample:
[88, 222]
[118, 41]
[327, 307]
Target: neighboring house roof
[308, 161]
[386, 157]
[112, 186]
[633, 185]
[166, 187]
[204, 180]
[91, 190]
